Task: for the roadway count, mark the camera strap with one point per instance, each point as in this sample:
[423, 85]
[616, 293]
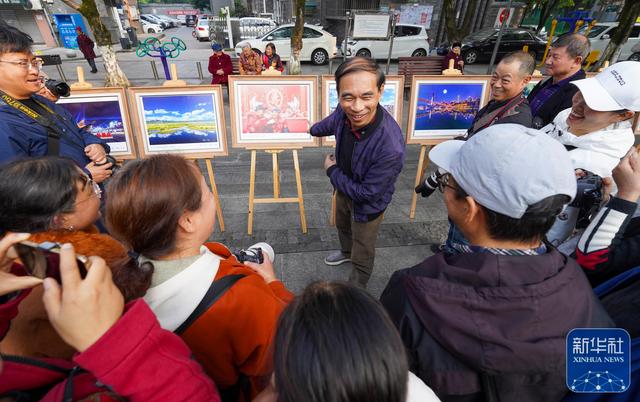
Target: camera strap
[53, 132]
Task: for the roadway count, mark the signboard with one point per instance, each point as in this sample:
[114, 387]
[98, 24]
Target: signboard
[416, 14]
[371, 26]
[184, 12]
[67, 24]
[504, 14]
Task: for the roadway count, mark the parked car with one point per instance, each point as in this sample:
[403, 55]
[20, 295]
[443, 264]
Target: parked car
[172, 22]
[601, 34]
[252, 27]
[154, 20]
[635, 52]
[317, 44]
[479, 45]
[148, 27]
[410, 40]
[202, 29]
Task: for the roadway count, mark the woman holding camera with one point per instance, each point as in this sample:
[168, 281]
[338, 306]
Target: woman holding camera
[163, 211]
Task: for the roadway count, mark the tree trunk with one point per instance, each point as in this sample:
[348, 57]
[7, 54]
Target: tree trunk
[457, 31]
[628, 15]
[89, 10]
[295, 67]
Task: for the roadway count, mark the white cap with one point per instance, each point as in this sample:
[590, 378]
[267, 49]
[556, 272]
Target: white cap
[508, 167]
[615, 88]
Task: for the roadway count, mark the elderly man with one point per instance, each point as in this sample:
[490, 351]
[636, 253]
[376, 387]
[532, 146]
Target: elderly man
[368, 159]
[31, 125]
[493, 317]
[564, 64]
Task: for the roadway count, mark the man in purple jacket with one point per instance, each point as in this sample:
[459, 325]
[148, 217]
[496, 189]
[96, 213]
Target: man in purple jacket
[368, 158]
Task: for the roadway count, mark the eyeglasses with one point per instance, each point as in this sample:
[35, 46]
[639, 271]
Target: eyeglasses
[443, 181]
[97, 191]
[36, 64]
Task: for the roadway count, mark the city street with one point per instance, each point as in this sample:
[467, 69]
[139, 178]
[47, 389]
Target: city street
[299, 260]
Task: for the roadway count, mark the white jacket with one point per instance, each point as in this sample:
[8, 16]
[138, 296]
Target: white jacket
[598, 152]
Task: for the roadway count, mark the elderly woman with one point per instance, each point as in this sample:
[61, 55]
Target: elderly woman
[250, 62]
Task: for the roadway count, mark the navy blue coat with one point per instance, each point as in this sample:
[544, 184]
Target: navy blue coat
[376, 163]
[21, 136]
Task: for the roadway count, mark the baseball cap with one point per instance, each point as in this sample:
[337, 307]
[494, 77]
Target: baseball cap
[508, 167]
[615, 88]
[216, 47]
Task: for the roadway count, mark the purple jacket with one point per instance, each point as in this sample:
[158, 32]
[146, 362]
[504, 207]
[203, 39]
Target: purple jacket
[376, 163]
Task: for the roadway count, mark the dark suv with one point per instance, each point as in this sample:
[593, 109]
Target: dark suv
[479, 45]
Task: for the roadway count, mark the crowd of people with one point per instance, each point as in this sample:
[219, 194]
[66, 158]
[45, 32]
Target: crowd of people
[110, 289]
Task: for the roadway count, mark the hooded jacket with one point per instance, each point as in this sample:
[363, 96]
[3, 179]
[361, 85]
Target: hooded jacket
[598, 152]
[471, 318]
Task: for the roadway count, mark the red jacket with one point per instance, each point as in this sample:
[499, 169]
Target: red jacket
[136, 358]
[86, 46]
[220, 62]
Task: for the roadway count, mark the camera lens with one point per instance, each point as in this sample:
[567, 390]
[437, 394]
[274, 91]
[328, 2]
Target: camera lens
[58, 88]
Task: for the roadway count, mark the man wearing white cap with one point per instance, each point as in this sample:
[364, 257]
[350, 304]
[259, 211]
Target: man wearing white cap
[495, 315]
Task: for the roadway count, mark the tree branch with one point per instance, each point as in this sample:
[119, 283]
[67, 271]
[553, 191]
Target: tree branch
[72, 4]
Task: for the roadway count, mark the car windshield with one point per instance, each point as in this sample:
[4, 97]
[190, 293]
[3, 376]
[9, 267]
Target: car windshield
[483, 34]
[271, 32]
[595, 30]
[203, 22]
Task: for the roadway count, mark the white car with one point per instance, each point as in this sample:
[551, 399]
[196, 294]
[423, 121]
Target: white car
[318, 45]
[601, 34]
[409, 40]
[154, 20]
[202, 29]
[171, 22]
[148, 27]
[252, 27]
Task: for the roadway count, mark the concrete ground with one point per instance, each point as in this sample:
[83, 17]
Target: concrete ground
[401, 243]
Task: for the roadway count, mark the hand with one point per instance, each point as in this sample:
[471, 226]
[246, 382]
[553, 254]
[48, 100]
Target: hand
[99, 173]
[329, 161]
[627, 176]
[96, 153]
[265, 270]
[607, 186]
[86, 309]
[10, 283]
[220, 71]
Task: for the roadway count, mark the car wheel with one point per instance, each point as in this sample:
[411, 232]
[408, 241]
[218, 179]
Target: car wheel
[363, 53]
[319, 56]
[471, 56]
[151, 30]
[419, 53]
[635, 57]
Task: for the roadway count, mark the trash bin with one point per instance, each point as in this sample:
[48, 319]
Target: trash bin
[125, 43]
[133, 37]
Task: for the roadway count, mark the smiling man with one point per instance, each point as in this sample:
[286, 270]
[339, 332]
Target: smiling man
[507, 104]
[31, 125]
[368, 159]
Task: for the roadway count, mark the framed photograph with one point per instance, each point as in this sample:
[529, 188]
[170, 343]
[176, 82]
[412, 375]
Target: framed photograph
[181, 120]
[104, 113]
[272, 112]
[392, 99]
[442, 107]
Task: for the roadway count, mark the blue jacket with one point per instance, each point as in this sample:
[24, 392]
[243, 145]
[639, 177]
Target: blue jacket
[21, 136]
[376, 163]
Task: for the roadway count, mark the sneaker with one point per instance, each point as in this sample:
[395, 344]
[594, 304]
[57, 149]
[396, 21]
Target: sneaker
[336, 258]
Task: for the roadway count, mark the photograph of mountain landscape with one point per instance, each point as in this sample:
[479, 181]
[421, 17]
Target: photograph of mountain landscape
[180, 121]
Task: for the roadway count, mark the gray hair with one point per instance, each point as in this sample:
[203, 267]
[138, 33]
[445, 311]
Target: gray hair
[246, 46]
[527, 63]
[576, 44]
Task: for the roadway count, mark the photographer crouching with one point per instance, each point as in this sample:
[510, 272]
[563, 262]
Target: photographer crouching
[31, 125]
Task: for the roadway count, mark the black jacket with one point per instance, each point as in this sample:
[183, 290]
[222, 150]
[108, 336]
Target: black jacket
[471, 318]
[514, 111]
[560, 101]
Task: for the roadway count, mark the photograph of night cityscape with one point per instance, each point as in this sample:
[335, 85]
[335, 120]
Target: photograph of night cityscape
[447, 106]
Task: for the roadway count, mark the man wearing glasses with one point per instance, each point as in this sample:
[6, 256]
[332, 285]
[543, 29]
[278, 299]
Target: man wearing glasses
[30, 125]
[492, 317]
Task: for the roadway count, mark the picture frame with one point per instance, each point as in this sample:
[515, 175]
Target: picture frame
[273, 112]
[449, 114]
[392, 99]
[105, 113]
[188, 121]
[532, 83]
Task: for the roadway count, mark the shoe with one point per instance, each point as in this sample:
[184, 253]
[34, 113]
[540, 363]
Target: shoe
[437, 248]
[94, 71]
[336, 258]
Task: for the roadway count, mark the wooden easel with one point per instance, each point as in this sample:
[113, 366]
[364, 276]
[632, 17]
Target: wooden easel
[422, 167]
[214, 190]
[276, 188]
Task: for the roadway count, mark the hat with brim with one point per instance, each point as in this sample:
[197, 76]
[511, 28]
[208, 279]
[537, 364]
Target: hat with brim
[596, 96]
[615, 88]
[216, 47]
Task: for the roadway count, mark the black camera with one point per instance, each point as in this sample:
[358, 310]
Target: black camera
[588, 198]
[428, 186]
[250, 255]
[59, 88]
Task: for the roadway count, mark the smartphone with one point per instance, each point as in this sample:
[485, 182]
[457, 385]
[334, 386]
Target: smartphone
[42, 260]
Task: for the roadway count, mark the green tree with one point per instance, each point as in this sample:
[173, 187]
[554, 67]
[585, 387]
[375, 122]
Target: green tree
[456, 28]
[201, 4]
[92, 10]
[295, 67]
[628, 16]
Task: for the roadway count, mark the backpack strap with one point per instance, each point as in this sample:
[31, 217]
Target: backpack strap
[216, 290]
